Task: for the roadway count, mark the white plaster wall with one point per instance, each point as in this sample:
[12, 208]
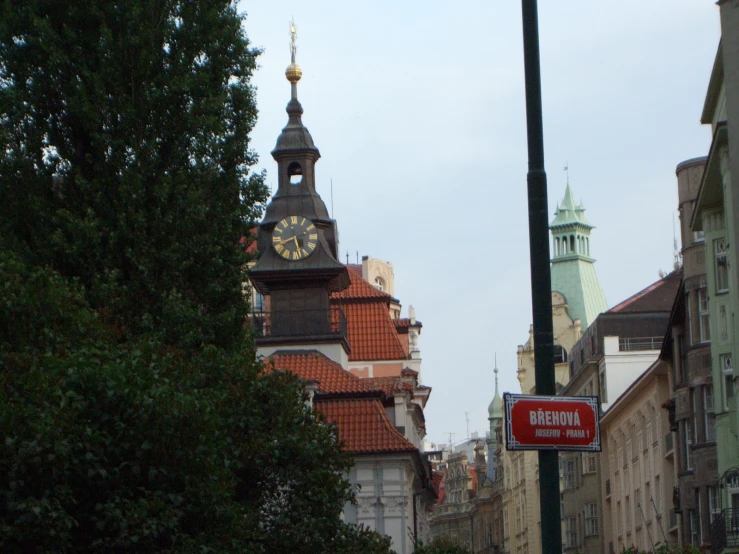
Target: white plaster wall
[395, 493]
[622, 368]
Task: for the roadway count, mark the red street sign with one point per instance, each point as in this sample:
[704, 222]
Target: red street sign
[552, 422]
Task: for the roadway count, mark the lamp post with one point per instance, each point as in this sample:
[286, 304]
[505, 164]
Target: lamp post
[541, 280]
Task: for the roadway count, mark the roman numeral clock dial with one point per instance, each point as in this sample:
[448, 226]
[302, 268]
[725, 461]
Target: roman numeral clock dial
[294, 238]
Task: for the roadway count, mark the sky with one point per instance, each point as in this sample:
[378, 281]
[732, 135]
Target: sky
[418, 109]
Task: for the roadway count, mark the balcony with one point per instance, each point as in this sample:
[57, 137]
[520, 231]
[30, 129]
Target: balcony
[639, 343]
[305, 325]
[725, 530]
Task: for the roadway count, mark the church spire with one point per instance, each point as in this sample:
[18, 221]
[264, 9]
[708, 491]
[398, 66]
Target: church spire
[495, 417]
[294, 137]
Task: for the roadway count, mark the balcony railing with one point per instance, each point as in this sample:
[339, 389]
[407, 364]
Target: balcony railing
[299, 323]
[639, 343]
[725, 530]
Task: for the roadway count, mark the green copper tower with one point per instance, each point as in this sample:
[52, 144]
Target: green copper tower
[573, 270]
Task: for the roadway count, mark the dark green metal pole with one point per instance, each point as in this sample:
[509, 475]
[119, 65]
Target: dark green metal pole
[541, 280]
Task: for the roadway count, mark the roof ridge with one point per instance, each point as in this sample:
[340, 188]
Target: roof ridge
[642, 293]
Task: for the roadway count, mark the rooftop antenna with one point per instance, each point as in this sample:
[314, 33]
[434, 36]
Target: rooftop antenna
[567, 171]
[467, 417]
[357, 257]
[347, 257]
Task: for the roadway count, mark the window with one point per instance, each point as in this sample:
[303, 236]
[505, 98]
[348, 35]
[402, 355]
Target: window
[704, 323]
[588, 462]
[570, 474]
[708, 412]
[571, 532]
[727, 370]
[699, 537]
[687, 445]
[657, 498]
[698, 236]
[603, 391]
[647, 507]
[620, 519]
[689, 318]
[644, 439]
[627, 514]
[379, 284]
[693, 529]
[723, 323]
[714, 507]
[637, 508]
[722, 270]
[623, 449]
[295, 173]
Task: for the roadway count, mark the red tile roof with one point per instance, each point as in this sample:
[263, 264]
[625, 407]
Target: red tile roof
[438, 483]
[657, 297]
[363, 425]
[311, 365]
[403, 323]
[371, 333]
[388, 385]
[359, 289]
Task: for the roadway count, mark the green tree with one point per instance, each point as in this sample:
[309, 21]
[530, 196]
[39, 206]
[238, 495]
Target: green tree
[441, 546]
[134, 415]
[141, 447]
[125, 131]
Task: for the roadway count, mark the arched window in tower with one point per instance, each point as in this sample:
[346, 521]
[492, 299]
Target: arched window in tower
[564, 246]
[587, 245]
[556, 246]
[560, 354]
[572, 244]
[295, 173]
[379, 283]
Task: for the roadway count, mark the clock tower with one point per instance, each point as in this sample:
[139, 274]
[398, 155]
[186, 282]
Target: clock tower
[297, 240]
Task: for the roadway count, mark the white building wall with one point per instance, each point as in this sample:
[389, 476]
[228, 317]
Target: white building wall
[622, 368]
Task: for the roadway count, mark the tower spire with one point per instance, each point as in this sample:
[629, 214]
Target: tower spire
[293, 71]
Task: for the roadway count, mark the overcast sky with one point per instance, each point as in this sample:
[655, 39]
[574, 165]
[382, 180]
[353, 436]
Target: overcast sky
[418, 110]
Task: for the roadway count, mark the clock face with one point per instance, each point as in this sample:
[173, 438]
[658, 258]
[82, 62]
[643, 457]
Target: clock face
[295, 238]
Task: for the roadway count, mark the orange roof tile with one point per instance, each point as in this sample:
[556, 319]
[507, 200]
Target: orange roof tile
[371, 333]
[359, 289]
[363, 425]
[311, 365]
[388, 385]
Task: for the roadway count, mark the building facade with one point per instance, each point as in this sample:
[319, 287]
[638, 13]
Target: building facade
[715, 217]
[614, 352]
[687, 349]
[637, 466]
[320, 319]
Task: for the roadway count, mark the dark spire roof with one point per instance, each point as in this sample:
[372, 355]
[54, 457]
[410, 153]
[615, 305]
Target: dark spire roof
[294, 137]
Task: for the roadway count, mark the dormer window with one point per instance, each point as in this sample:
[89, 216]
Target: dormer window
[295, 173]
[379, 283]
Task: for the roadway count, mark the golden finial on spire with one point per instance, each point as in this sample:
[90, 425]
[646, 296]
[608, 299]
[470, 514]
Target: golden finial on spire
[293, 71]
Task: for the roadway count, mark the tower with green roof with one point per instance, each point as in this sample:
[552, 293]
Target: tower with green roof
[495, 416]
[573, 270]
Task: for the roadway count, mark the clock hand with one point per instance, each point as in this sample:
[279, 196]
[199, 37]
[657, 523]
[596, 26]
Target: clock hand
[296, 242]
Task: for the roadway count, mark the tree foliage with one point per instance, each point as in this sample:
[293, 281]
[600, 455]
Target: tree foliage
[142, 447]
[134, 415]
[125, 131]
[441, 546]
